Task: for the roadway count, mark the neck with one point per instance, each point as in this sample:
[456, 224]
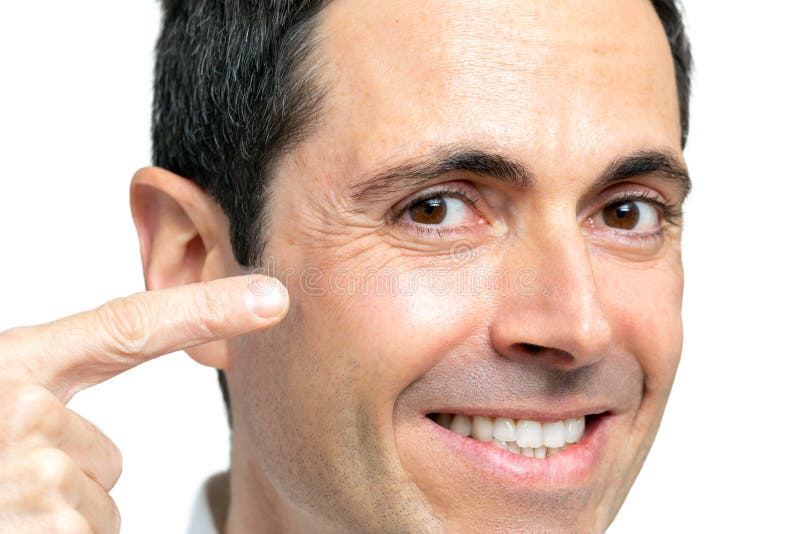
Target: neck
[218, 496]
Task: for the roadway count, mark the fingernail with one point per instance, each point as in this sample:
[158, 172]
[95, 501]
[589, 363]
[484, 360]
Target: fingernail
[266, 297]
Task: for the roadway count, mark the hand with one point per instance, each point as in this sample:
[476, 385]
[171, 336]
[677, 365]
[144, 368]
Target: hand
[56, 468]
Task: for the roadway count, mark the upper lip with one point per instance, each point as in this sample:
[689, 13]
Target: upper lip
[541, 415]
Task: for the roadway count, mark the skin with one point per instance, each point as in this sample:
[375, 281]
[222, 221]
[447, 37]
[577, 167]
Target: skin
[564, 88]
[56, 468]
[329, 404]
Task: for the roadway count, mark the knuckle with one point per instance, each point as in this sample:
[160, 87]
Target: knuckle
[34, 411]
[124, 320]
[210, 311]
[52, 469]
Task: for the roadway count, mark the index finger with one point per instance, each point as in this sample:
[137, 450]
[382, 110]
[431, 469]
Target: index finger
[81, 350]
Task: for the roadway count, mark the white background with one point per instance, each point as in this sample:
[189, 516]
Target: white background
[74, 125]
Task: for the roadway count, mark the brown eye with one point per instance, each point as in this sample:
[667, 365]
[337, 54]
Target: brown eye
[428, 211]
[623, 215]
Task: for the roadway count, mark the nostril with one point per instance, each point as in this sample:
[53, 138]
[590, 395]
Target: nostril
[533, 349]
[543, 353]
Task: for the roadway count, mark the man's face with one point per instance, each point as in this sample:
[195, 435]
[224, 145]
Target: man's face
[471, 288]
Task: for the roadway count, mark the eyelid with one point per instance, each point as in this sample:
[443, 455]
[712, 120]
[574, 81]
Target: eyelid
[629, 191]
[457, 189]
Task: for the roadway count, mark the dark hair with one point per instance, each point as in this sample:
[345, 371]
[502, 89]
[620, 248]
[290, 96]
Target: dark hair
[237, 86]
[235, 89]
[669, 11]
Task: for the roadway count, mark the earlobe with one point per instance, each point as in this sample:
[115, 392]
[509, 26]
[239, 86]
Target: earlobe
[183, 238]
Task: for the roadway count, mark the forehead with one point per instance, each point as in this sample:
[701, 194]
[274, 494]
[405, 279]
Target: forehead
[536, 76]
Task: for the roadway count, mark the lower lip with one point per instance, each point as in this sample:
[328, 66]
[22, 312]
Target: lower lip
[570, 467]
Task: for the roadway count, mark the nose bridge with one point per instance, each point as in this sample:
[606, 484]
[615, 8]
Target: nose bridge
[575, 294]
[564, 314]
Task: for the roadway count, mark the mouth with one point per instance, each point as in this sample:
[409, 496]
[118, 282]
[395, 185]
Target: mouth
[534, 439]
[524, 452]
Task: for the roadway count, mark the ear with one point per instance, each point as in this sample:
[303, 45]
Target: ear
[183, 238]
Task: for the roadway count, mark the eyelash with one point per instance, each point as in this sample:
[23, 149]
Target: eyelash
[450, 190]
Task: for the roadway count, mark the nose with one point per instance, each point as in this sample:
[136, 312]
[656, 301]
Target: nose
[552, 311]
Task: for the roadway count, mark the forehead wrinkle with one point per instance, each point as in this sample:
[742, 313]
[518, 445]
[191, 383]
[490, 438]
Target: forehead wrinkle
[533, 42]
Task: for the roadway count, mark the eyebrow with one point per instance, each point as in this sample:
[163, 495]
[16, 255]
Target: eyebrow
[663, 163]
[419, 170]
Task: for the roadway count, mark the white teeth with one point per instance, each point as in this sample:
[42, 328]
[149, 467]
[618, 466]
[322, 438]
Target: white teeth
[482, 428]
[504, 429]
[501, 444]
[527, 438]
[461, 424]
[573, 429]
[529, 433]
[553, 434]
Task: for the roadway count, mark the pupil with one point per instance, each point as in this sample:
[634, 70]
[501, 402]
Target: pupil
[429, 211]
[623, 215]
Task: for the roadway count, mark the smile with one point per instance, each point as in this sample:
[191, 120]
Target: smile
[533, 439]
[521, 450]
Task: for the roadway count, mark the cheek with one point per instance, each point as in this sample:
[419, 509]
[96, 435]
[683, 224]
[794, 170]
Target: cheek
[644, 307]
[355, 337]
[391, 329]
[334, 368]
